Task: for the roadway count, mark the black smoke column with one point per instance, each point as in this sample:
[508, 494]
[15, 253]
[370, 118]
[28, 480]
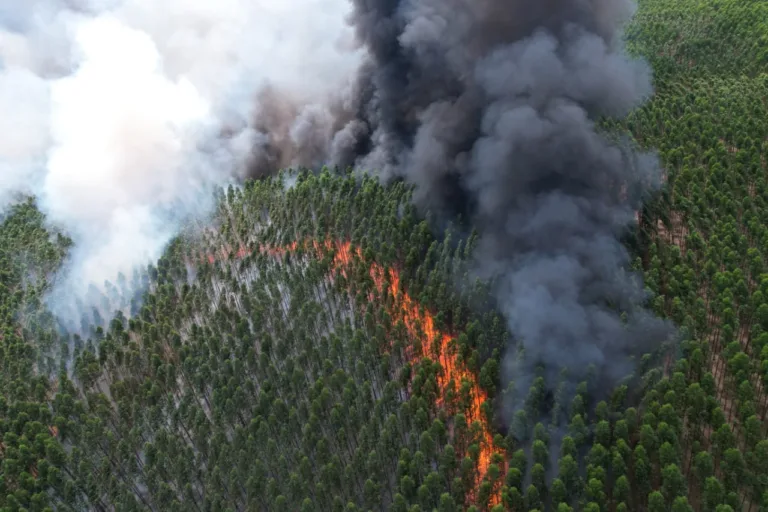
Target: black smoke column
[490, 108]
[495, 102]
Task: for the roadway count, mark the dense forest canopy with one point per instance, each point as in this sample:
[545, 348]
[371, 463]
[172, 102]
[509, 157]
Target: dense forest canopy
[320, 345]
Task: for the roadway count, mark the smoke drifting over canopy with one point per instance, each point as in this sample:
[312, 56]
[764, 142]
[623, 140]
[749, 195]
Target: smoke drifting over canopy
[487, 106]
[492, 105]
[122, 115]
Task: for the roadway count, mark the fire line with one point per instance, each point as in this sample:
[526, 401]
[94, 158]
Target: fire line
[420, 325]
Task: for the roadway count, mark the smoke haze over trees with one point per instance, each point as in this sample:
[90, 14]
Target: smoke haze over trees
[487, 107]
[316, 342]
[121, 116]
[492, 106]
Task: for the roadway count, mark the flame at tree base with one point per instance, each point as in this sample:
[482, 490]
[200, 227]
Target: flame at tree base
[432, 344]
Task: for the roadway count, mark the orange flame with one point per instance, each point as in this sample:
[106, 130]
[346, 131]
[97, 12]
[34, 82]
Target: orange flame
[419, 325]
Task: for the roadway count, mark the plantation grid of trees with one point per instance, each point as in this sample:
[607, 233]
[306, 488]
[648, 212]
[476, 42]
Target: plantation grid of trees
[247, 381]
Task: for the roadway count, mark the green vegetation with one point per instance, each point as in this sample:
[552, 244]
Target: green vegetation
[256, 381]
[706, 38]
[260, 383]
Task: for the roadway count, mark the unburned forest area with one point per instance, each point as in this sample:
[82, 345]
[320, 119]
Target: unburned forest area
[321, 344]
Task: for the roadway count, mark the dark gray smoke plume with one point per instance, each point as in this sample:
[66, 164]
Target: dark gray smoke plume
[489, 107]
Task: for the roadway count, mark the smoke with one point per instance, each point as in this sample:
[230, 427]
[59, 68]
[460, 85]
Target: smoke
[121, 116]
[125, 113]
[490, 108]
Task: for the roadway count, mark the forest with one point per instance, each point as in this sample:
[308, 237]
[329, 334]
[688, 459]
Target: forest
[319, 345]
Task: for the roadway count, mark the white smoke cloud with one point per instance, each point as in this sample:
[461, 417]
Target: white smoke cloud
[112, 110]
[24, 100]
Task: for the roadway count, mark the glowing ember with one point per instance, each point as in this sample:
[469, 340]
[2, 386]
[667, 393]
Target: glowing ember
[419, 325]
